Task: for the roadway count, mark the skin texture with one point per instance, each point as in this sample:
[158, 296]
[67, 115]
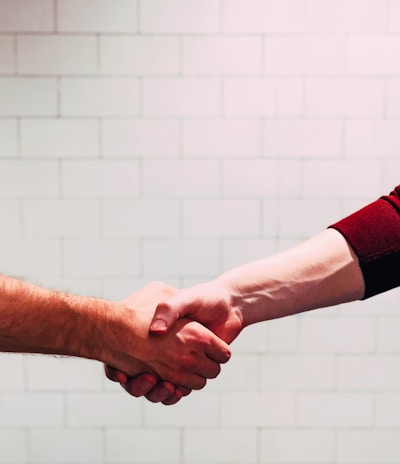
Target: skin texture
[320, 272]
[38, 320]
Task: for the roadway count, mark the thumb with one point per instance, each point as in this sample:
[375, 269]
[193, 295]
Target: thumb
[164, 318]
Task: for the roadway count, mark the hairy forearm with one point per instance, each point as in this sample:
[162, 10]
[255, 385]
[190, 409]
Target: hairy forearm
[38, 320]
[320, 272]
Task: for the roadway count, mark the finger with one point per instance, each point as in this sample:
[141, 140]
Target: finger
[173, 399]
[140, 385]
[185, 391]
[218, 350]
[208, 369]
[161, 392]
[196, 366]
[191, 381]
[164, 318]
[114, 374]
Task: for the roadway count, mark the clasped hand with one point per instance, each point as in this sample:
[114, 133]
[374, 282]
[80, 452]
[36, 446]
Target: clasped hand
[183, 340]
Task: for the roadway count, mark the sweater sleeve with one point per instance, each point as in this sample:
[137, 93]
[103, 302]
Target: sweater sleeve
[374, 234]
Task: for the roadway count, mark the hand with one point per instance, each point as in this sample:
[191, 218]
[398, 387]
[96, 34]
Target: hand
[148, 386]
[210, 304]
[186, 356]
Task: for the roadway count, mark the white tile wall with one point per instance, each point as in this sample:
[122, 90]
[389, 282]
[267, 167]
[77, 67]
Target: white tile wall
[60, 446]
[6, 54]
[28, 96]
[174, 139]
[14, 449]
[309, 138]
[100, 179]
[174, 258]
[393, 97]
[9, 138]
[31, 409]
[346, 16]
[305, 55]
[266, 17]
[120, 411]
[349, 97]
[228, 138]
[222, 55]
[51, 54]
[212, 445]
[93, 97]
[368, 446]
[134, 138]
[22, 16]
[59, 138]
[196, 411]
[180, 16]
[90, 16]
[335, 410]
[376, 56]
[124, 444]
[139, 55]
[182, 96]
[297, 446]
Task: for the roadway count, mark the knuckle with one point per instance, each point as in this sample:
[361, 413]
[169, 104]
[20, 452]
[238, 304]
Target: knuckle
[162, 287]
[189, 362]
[200, 383]
[216, 372]
[226, 356]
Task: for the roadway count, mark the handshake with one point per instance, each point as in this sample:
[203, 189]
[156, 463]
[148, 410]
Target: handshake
[174, 340]
[162, 343]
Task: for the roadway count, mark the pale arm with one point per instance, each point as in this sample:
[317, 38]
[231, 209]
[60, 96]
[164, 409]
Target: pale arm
[322, 271]
[357, 258]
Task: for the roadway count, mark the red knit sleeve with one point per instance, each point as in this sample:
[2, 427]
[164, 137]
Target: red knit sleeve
[374, 234]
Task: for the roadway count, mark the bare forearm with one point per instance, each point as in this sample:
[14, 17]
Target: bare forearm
[320, 272]
[39, 320]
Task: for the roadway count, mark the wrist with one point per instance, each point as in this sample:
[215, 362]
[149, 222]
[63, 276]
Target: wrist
[117, 335]
[233, 297]
[254, 293]
[82, 332]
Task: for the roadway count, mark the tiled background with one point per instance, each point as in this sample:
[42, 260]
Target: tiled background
[174, 139]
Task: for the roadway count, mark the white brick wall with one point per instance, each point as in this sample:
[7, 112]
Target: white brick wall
[59, 446]
[89, 16]
[14, 447]
[6, 55]
[174, 139]
[222, 55]
[126, 55]
[188, 96]
[135, 138]
[123, 444]
[22, 16]
[180, 16]
[59, 138]
[297, 446]
[26, 96]
[92, 97]
[51, 54]
[346, 16]
[258, 16]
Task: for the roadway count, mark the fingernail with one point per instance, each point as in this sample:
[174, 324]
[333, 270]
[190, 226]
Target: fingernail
[146, 384]
[121, 377]
[158, 325]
